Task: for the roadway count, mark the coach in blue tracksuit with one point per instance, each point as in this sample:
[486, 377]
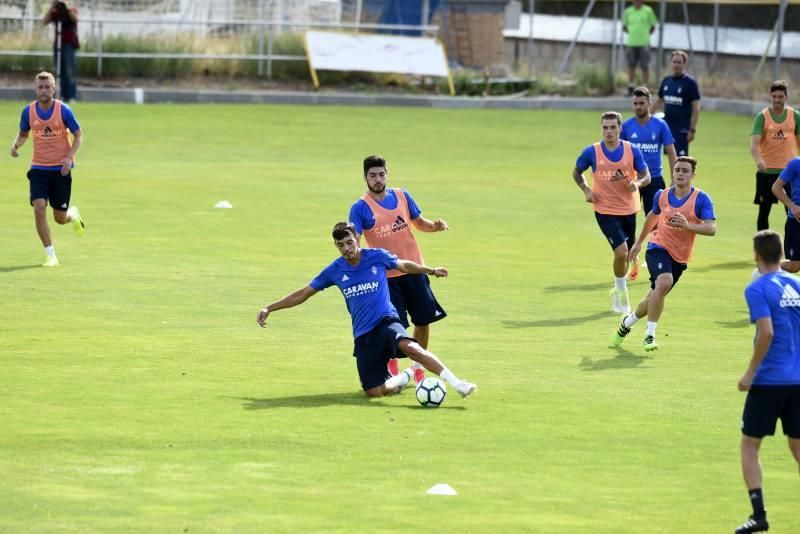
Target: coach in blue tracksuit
[680, 96]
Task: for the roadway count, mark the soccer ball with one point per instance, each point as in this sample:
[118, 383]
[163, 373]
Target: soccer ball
[431, 392]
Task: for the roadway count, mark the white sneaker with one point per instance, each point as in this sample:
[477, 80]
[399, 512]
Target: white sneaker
[465, 389]
[619, 301]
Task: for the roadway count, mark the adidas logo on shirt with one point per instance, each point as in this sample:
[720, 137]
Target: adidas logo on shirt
[635, 135]
[345, 278]
[790, 297]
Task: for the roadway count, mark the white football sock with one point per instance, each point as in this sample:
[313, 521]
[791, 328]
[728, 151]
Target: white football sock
[50, 251]
[620, 283]
[630, 320]
[448, 375]
[651, 328]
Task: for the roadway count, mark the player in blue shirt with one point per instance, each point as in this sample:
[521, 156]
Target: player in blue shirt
[616, 179]
[772, 378]
[680, 97]
[651, 135]
[679, 214]
[360, 274]
[50, 122]
[791, 247]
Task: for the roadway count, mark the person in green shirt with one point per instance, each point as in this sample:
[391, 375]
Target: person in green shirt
[774, 141]
[638, 21]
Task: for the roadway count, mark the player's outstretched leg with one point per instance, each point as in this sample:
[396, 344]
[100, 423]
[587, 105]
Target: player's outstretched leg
[431, 362]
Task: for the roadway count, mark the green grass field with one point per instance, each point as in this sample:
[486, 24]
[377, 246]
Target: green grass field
[138, 393]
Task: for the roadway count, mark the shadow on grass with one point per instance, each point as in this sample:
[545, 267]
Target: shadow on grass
[740, 323]
[624, 359]
[577, 287]
[566, 321]
[13, 268]
[317, 400]
[727, 266]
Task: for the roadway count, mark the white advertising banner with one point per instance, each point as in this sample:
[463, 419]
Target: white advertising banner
[421, 56]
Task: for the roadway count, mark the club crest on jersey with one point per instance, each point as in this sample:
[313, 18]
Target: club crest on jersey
[374, 270]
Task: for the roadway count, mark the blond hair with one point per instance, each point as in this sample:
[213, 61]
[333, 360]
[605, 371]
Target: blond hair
[44, 75]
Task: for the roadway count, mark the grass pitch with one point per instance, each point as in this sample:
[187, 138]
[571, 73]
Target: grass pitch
[140, 395]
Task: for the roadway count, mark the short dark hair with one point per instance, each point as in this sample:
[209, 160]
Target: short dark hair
[681, 53]
[767, 244]
[373, 161]
[609, 115]
[642, 91]
[687, 159]
[341, 229]
[779, 85]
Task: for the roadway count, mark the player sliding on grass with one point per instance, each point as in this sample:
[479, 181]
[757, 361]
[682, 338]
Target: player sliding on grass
[360, 274]
[679, 214]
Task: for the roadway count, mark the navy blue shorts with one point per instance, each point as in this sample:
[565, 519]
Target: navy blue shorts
[681, 144]
[51, 186]
[618, 229]
[765, 405]
[659, 262]
[791, 239]
[648, 192]
[374, 349]
[411, 295]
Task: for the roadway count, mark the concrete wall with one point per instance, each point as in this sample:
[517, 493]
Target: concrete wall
[547, 56]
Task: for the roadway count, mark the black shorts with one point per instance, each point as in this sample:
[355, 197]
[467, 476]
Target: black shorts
[764, 193]
[374, 349]
[659, 262]
[618, 229]
[649, 191]
[791, 239]
[637, 55]
[765, 405]
[681, 143]
[411, 295]
[51, 186]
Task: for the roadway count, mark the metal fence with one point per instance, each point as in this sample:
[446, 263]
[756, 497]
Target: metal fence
[96, 30]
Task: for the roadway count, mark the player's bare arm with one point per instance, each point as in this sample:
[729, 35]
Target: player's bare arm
[426, 225]
[780, 193]
[643, 181]
[672, 156]
[577, 175]
[66, 163]
[755, 153]
[22, 137]
[410, 267]
[707, 227]
[289, 301]
[649, 224]
[764, 335]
